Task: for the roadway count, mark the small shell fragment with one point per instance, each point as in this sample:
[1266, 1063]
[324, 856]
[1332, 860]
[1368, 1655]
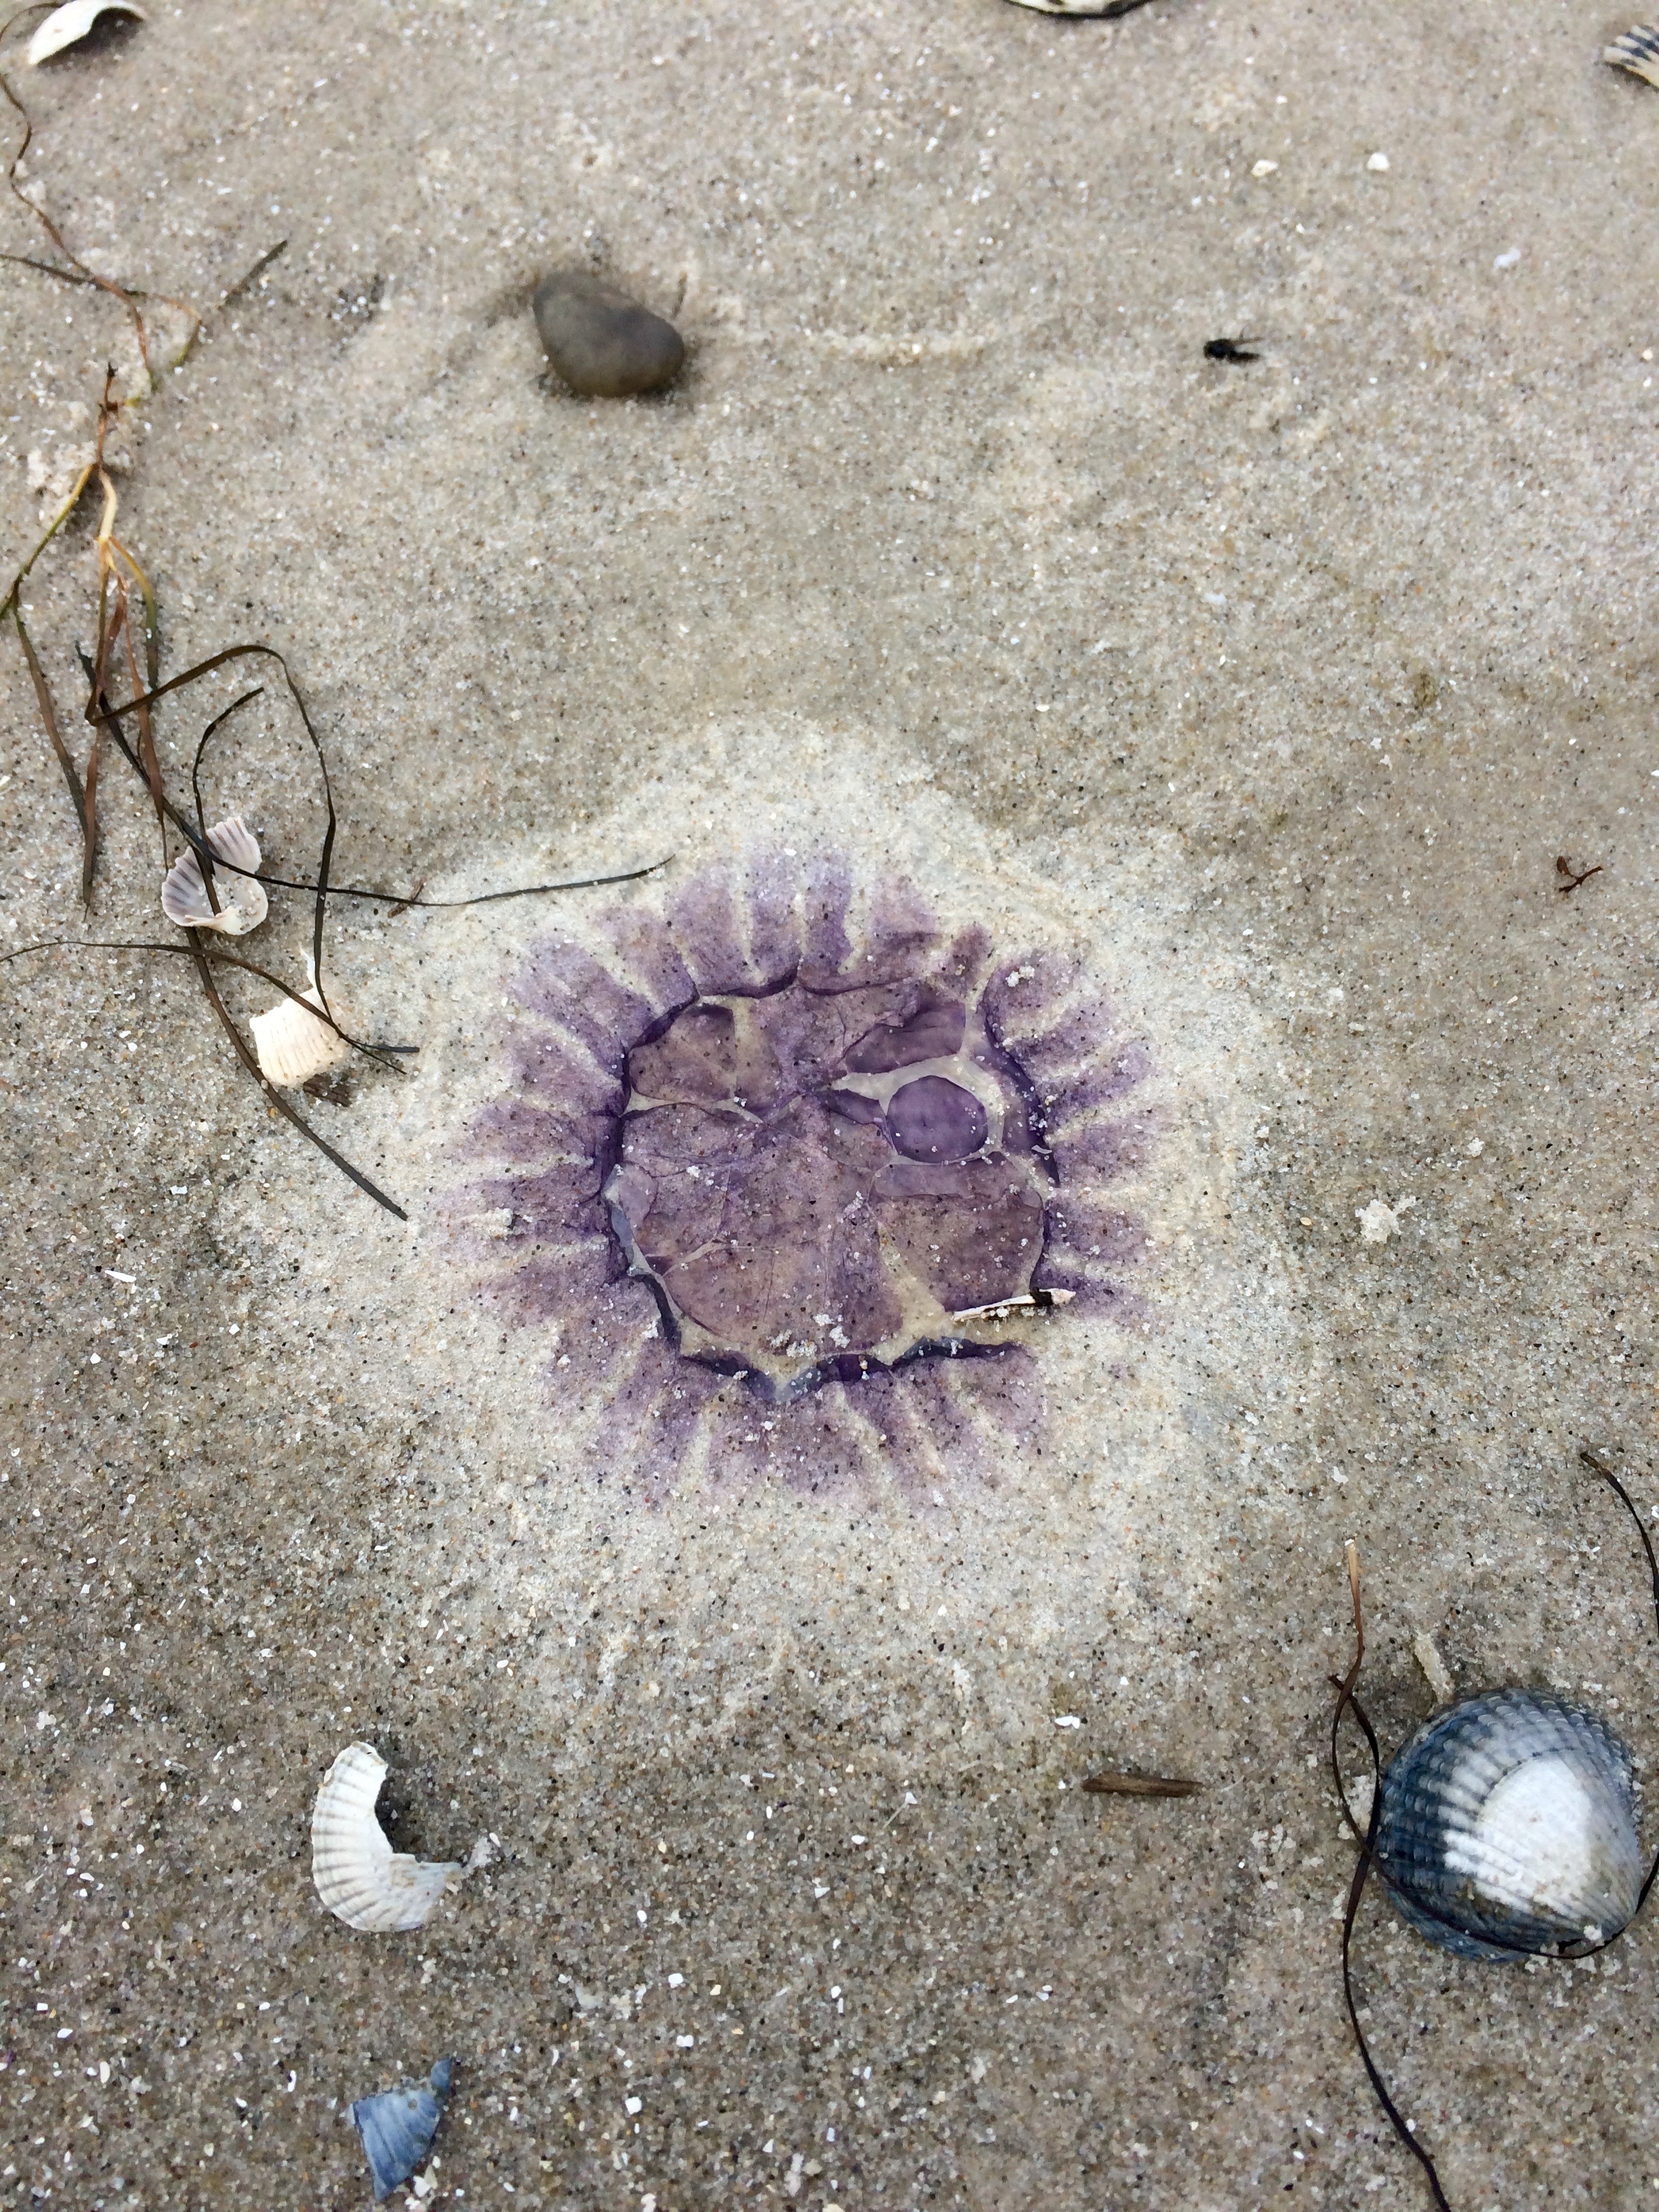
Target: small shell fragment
[293, 1044]
[242, 902]
[1637, 50]
[1025, 1302]
[69, 25]
[397, 2127]
[1082, 7]
[359, 1877]
[1436, 1673]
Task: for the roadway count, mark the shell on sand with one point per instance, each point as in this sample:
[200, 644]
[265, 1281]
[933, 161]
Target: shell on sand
[293, 1044]
[1081, 7]
[398, 2126]
[359, 1877]
[1509, 1827]
[67, 26]
[1636, 50]
[242, 904]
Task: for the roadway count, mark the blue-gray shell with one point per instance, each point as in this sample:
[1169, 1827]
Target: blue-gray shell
[1509, 1827]
[398, 2126]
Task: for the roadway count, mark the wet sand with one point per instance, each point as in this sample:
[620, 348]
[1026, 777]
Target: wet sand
[1266, 695]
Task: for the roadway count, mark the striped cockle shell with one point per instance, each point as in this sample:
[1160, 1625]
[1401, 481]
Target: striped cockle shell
[1636, 50]
[293, 1045]
[359, 1877]
[1509, 1827]
[242, 902]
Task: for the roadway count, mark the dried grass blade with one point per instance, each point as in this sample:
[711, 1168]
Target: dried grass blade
[9, 604]
[252, 276]
[65, 758]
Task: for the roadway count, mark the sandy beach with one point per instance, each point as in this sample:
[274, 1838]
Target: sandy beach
[1225, 745]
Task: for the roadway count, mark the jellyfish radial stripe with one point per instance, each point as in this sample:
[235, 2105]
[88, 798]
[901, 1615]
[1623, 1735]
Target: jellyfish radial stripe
[769, 1162]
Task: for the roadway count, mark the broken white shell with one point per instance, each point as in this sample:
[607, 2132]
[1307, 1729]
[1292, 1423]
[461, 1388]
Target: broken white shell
[359, 1877]
[67, 26]
[293, 1044]
[242, 902]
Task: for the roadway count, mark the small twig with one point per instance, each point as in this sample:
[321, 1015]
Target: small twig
[1140, 1786]
[1563, 867]
[253, 274]
[63, 276]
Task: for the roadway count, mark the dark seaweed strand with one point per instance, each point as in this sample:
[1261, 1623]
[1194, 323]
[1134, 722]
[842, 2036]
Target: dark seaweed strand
[375, 1052]
[104, 283]
[324, 888]
[143, 701]
[1348, 1702]
[256, 692]
[204, 970]
[207, 864]
[1608, 1476]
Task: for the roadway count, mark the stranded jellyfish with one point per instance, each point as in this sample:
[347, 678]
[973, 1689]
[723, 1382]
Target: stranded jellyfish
[785, 1175]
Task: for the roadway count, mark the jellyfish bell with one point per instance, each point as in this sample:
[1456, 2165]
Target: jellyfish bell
[798, 1175]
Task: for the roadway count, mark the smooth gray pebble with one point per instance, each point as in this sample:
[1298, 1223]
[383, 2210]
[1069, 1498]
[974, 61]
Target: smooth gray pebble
[602, 342]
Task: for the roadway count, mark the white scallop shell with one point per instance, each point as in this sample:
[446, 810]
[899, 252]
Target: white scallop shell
[67, 25]
[242, 902]
[359, 1877]
[293, 1045]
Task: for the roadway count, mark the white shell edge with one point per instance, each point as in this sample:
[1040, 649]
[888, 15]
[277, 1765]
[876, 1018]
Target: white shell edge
[293, 1045]
[358, 1876]
[67, 25]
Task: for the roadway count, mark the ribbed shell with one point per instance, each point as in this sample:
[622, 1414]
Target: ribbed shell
[1509, 1827]
[242, 902]
[1636, 50]
[398, 2126]
[293, 1045]
[359, 1877]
